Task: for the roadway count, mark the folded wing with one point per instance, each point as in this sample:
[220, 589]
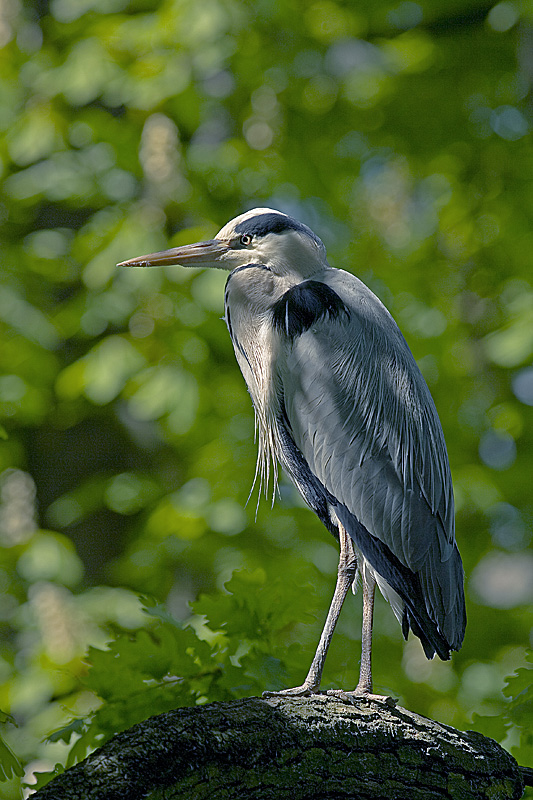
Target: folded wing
[361, 414]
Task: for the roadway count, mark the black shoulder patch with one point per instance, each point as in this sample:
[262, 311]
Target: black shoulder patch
[304, 305]
[262, 224]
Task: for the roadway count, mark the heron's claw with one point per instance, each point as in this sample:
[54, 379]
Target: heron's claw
[305, 690]
[357, 696]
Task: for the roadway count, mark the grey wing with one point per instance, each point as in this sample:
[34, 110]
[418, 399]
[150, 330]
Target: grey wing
[361, 414]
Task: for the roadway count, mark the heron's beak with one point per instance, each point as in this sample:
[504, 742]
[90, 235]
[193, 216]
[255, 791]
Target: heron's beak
[201, 254]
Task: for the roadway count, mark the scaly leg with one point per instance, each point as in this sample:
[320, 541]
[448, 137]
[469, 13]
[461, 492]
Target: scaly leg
[365, 674]
[364, 687]
[345, 577]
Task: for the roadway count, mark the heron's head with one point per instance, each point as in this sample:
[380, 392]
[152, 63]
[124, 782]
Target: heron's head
[262, 236]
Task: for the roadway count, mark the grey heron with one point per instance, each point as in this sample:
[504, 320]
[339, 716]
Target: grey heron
[341, 404]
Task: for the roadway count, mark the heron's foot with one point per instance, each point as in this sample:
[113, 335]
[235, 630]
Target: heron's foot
[305, 690]
[361, 695]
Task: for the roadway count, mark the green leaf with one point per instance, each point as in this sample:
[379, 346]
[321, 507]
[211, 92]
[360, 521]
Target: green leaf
[77, 726]
[10, 766]
[495, 727]
[130, 661]
[43, 778]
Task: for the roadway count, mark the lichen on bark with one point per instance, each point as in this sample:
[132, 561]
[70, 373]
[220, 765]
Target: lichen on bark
[298, 748]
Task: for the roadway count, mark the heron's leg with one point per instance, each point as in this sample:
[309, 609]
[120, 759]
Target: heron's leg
[346, 572]
[364, 687]
[365, 675]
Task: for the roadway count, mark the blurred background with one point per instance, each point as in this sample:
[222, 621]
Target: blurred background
[399, 132]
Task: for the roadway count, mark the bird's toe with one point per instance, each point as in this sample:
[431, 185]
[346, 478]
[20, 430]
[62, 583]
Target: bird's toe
[297, 691]
[358, 696]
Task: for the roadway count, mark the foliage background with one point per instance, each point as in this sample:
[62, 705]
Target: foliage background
[400, 132]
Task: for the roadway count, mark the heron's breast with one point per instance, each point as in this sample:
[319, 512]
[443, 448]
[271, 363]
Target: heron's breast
[250, 293]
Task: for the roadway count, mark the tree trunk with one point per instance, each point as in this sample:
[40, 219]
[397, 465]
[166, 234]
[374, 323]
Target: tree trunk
[297, 748]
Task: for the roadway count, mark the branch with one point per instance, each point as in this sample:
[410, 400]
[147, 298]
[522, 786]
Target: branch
[527, 775]
[297, 748]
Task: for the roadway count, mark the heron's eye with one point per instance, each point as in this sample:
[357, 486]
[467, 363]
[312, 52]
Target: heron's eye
[245, 239]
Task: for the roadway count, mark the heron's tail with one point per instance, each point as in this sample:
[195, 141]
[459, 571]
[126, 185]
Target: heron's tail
[406, 584]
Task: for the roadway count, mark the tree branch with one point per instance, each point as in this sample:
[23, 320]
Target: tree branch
[298, 748]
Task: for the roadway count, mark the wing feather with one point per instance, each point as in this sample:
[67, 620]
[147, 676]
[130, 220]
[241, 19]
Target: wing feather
[362, 416]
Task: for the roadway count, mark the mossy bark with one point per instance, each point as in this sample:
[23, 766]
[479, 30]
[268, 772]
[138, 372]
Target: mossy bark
[297, 748]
